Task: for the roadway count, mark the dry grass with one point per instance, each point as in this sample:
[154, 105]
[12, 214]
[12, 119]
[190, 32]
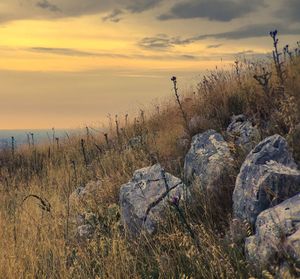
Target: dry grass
[35, 243]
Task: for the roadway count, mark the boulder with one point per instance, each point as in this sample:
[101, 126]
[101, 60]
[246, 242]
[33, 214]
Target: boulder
[143, 200]
[277, 234]
[268, 176]
[208, 159]
[242, 131]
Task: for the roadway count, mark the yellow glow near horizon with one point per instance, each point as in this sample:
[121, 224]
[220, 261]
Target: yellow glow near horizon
[38, 58]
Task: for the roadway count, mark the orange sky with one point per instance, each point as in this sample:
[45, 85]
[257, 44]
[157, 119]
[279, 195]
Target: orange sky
[63, 64]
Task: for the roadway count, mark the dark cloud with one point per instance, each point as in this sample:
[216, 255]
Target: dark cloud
[61, 51]
[79, 53]
[161, 42]
[139, 6]
[136, 6]
[290, 11]
[165, 57]
[31, 9]
[250, 31]
[114, 16]
[219, 10]
[214, 46]
[164, 42]
[45, 4]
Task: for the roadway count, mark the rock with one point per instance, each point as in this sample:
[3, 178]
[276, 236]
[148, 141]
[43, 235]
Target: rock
[292, 244]
[243, 132]
[294, 140]
[277, 234]
[208, 159]
[86, 225]
[143, 200]
[82, 201]
[268, 176]
[85, 232]
[84, 196]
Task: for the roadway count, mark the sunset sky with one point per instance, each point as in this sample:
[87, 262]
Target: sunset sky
[67, 63]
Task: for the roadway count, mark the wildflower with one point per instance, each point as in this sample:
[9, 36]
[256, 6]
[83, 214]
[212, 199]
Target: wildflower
[175, 200]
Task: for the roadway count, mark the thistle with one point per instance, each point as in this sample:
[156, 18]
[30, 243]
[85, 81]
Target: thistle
[174, 80]
[276, 56]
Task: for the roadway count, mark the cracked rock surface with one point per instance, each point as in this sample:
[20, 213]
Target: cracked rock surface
[267, 177]
[277, 230]
[144, 199]
[208, 160]
[243, 132]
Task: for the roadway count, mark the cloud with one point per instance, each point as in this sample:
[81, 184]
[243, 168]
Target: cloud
[79, 53]
[32, 9]
[289, 11]
[45, 4]
[114, 16]
[139, 6]
[165, 57]
[214, 46]
[219, 10]
[61, 51]
[163, 42]
[250, 31]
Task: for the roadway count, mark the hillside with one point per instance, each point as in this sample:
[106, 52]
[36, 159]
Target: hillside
[45, 190]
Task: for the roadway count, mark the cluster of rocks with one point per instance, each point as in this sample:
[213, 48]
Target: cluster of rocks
[266, 193]
[267, 196]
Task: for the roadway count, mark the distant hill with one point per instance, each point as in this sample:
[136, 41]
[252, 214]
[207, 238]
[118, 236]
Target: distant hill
[21, 136]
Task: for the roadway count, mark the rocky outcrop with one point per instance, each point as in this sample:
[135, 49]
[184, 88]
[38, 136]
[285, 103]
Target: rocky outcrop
[208, 159]
[143, 200]
[81, 201]
[277, 234]
[243, 133]
[268, 176]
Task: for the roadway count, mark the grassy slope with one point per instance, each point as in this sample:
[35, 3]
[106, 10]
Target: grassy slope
[35, 243]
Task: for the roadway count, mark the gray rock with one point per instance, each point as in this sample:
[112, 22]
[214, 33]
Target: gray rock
[207, 160]
[81, 203]
[277, 234]
[292, 243]
[143, 200]
[267, 177]
[243, 132]
[81, 198]
[85, 232]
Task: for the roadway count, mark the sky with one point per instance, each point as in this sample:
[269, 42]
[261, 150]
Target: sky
[69, 63]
